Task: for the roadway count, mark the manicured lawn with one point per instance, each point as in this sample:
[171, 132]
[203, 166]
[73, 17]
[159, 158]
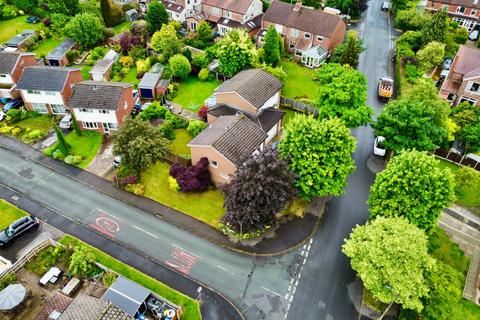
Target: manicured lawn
[47, 45]
[131, 77]
[205, 206]
[300, 82]
[190, 307]
[179, 145]
[9, 213]
[289, 114]
[43, 123]
[192, 92]
[85, 72]
[86, 145]
[467, 196]
[125, 25]
[9, 28]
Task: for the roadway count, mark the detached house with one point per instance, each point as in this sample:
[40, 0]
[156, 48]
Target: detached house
[243, 120]
[100, 105]
[465, 12]
[310, 34]
[229, 14]
[179, 10]
[463, 80]
[11, 68]
[48, 89]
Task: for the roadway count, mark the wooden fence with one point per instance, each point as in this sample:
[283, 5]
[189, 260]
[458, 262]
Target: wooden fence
[299, 106]
[175, 158]
[457, 158]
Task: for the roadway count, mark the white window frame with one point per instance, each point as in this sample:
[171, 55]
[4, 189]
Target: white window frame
[103, 111]
[50, 93]
[213, 163]
[90, 125]
[294, 32]
[473, 12]
[40, 107]
[319, 38]
[453, 97]
[292, 44]
[467, 99]
[35, 92]
[85, 110]
[3, 75]
[460, 8]
[63, 109]
[470, 85]
[298, 53]
[228, 14]
[193, 25]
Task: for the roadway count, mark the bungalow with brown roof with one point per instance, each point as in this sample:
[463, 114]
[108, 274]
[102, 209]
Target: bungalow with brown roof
[463, 80]
[11, 68]
[310, 34]
[226, 15]
[244, 119]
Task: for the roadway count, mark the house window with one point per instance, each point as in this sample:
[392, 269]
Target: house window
[58, 108]
[260, 39]
[294, 32]
[292, 44]
[473, 12]
[85, 110]
[33, 91]
[460, 9]
[213, 163]
[104, 111]
[193, 25]
[229, 14]
[90, 125]
[298, 53]
[307, 35]
[40, 107]
[469, 100]
[320, 38]
[3, 75]
[176, 15]
[451, 97]
[473, 87]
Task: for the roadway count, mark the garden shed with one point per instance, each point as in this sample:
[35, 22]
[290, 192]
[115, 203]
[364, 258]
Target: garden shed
[131, 15]
[22, 40]
[128, 296]
[152, 86]
[58, 57]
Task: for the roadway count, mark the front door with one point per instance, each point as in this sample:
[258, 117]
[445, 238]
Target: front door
[106, 127]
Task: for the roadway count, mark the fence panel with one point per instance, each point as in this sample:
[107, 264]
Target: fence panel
[299, 106]
[175, 158]
[457, 158]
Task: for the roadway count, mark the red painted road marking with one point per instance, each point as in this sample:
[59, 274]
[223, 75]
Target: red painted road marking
[181, 260]
[106, 225]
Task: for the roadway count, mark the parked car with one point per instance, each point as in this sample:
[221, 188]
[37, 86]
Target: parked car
[2, 115]
[4, 100]
[13, 104]
[33, 19]
[386, 6]
[18, 229]
[117, 160]
[66, 122]
[473, 35]
[447, 64]
[378, 147]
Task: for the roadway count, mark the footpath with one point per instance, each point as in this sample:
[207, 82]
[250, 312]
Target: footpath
[288, 237]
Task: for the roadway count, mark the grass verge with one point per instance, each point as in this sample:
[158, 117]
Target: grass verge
[206, 206]
[9, 213]
[192, 92]
[190, 307]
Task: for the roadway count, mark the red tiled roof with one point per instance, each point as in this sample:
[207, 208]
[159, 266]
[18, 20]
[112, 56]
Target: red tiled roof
[239, 6]
[466, 60]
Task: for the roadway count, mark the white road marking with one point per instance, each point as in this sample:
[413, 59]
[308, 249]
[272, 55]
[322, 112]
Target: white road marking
[225, 269]
[111, 215]
[275, 293]
[144, 231]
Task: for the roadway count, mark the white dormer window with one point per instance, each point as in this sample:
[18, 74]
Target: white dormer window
[460, 9]
[320, 38]
[50, 93]
[294, 32]
[3, 75]
[307, 35]
[104, 111]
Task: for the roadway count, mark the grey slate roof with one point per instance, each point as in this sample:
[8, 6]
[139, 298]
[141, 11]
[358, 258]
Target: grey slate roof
[232, 136]
[9, 59]
[19, 38]
[254, 85]
[84, 307]
[61, 49]
[126, 295]
[149, 80]
[102, 66]
[43, 78]
[97, 94]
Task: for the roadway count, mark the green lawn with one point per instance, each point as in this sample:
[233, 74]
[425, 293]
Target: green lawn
[9, 28]
[9, 213]
[192, 92]
[179, 145]
[86, 145]
[205, 206]
[131, 77]
[43, 123]
[47, 45]
[190, 307]
[85, 72]
[125, 25]
[467, 196]
[300, 82]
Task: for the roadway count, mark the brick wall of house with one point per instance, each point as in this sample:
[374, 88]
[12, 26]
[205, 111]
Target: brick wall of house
[123, 113]
[462, 92]
[224, 166]
[209, 10]
[233, 99]
[452, 9]
[74, 76]
[23, 61]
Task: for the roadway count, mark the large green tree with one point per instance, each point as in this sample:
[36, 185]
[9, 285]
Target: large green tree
[390, 255]
[67, 7]
[235, 52]
[180, 66]
[166, 41]
[351, 7]
[319, 152]
[156, 16]
[25, 5]
[431, 55]
[414, 187]
[338, 52]
[139, 144]
[353, 48]
[262, 187]
[467, 118]
[342, 93]
[271, 47]
[435, 29]
[112, 13]
[85, 28]
[204, 32]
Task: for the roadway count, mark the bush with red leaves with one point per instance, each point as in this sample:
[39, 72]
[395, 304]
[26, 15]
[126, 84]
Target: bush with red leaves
[194, 178]
[202, 112]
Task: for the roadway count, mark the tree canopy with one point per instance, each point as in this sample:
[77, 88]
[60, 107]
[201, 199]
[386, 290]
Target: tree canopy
[467, 118]
[261, 188]
[414, 187]
[67, 7]
[139, 144]
[85, 28]
[236, 52]
[112, 13]
[180, 66]
[352, 49]
[431, 55]
[156, 16]
[390, 255]
[205, 32]
[271, 47]
[342, 93]
[319, 153]
[435, 29]
[166, 41]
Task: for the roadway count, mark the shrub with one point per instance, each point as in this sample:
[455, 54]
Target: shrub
[177, 122]
[82, 262]
[203, 75]
[57, 154]
[15, 115]
[7, 279]
[195, 178]
[411, 72]
[16, 131]
[35, 134]
[5, 129]
[49, 151]
[142, 65]
[154, 111]
[173, 184]
[167, 130]
[466, 177]
[136, 188]
[73, 159]
[126, 61]
[108, 279]
[201, 60]
[195, 127]
[202, 112]
[97, 53]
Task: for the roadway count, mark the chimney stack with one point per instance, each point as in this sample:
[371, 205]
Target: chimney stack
[297, 6]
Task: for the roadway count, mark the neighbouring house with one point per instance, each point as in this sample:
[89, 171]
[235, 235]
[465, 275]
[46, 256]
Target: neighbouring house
[310, 34]
[11, 68]
[463, 80]
[243, 120]
[225, 15]
[48, 89]
[179, 10]
[131, 15]
[101, 70]
[22, 41]
[100, 105]
[465, 12]
[58, 56]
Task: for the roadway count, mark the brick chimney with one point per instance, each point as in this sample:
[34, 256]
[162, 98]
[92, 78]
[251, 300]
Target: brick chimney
[297, 6]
